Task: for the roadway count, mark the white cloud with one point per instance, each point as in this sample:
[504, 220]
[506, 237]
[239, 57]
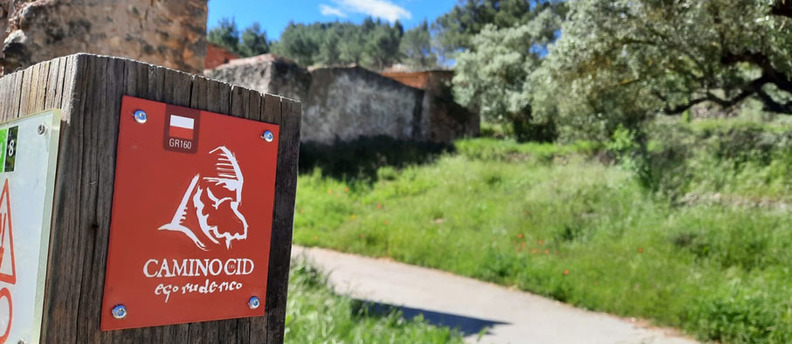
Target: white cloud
[375, 8]
[331, 11]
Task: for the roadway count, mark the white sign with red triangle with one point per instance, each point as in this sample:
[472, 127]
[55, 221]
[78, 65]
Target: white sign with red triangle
[28, 156]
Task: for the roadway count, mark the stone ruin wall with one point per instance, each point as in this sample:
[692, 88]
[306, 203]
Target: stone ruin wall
[266, 73]
[448, 119]
[164, 32]
[346, 103]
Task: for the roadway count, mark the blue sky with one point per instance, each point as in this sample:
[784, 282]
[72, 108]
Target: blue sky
[274, 15]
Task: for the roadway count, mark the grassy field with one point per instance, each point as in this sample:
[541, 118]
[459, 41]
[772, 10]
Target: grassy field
[315, 315]
[558, 221]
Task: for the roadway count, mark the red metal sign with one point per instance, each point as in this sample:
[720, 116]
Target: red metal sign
[192, 217]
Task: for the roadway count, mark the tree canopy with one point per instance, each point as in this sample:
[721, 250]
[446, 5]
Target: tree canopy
[416, 48]
[456, 29]
[374, 43]
[619, 62]
[641, 57]
[494, 77]
[253, 41]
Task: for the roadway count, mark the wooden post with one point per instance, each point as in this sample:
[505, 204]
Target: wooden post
[89, 89]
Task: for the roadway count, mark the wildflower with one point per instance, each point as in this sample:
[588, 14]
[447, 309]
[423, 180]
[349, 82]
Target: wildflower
[520, 235]
[386, 222]
[539, 242]
[330, 192]
[547, 251]
[379, 205]
[566, 272]
[346, 190]
[640, 250]
[361, 235]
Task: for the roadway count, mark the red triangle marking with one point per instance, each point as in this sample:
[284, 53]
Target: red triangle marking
[5, 225]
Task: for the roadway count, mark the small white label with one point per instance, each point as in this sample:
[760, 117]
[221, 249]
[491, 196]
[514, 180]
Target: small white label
[182, 122]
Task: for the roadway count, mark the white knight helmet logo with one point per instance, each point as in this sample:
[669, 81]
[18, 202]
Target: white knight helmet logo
[211, 203]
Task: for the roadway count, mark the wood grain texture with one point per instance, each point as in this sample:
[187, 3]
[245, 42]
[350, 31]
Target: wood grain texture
[88, 89]
[283, 221]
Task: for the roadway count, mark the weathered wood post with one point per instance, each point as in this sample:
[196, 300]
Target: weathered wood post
[129, 266]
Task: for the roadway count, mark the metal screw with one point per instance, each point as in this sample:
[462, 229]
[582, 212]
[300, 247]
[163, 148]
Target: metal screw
[268, 136]
[140, 116]
[21, 341]
[254, 302]
[42, 129]
[119, 312]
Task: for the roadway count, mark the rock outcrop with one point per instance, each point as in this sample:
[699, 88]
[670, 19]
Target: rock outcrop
[167, 33]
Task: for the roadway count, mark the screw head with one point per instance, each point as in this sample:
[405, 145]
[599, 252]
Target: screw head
[268, 136]
[140, 116]
[119, 312]
[254, 302]
[42, 129]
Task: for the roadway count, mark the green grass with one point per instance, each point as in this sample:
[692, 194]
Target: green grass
[559, 223]
[745, 160]
[314, 314]
[508, 150]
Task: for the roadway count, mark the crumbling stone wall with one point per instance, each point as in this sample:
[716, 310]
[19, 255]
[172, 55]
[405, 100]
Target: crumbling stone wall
[266, 73]
[347, 103]
[164, 32]
[448, 120]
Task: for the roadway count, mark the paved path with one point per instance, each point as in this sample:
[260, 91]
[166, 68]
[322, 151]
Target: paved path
[504, 315]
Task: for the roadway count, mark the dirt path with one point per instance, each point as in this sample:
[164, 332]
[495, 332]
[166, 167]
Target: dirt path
[502, 315]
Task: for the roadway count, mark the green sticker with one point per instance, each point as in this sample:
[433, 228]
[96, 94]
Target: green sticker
[3, 136]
